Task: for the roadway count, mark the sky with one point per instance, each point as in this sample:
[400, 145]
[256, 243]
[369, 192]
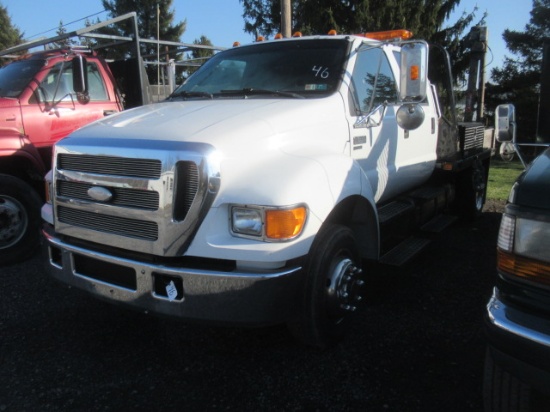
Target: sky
[222, 22]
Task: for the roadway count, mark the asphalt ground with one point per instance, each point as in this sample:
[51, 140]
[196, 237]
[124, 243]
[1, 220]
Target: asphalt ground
[418, 345]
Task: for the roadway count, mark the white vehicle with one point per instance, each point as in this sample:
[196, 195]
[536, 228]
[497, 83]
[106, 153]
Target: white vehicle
[255, 192]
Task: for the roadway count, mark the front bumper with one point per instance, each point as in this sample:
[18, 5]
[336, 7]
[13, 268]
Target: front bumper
[205, 295]
[519, 342]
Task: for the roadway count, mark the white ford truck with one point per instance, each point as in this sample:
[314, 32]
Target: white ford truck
[255, 192]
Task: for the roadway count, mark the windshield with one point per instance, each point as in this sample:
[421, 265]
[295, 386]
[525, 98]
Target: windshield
[15, 76]
[301, 68]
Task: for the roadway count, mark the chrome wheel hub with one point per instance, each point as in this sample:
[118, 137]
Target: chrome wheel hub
[13, 221]
[344, 288]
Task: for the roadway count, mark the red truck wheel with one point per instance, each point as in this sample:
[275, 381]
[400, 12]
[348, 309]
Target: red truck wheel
[19, 219]
[333, 288]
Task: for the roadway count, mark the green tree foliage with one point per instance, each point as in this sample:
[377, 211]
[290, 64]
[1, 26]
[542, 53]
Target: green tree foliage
[518, 80]
[199, 56]
[148, 28]
[147, 24]
[9, 34]
[89, 42]
[425, 18]
[61, 30]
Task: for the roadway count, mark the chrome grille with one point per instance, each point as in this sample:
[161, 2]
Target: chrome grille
[121, 226]
[161, 191]
[107, 165]
[187, 184]
[141, 199]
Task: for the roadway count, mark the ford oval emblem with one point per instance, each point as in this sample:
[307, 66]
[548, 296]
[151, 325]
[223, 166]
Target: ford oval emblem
[100, 194]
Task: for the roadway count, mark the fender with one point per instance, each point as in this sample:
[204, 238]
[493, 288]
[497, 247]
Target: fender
[17, 146]
[327, 184]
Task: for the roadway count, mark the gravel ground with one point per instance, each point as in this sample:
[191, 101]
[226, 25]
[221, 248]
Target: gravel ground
[418, 345]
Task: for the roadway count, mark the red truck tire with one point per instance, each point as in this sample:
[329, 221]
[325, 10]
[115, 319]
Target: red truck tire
[19, 220]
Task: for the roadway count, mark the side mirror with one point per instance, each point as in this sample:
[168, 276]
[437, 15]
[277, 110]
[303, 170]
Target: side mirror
[505, 123]
[80, 75]
[410, 116]
[413, 82]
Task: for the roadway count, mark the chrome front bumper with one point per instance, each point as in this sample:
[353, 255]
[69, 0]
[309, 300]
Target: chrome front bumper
[519, 324]
[519, 342]
[205, 295]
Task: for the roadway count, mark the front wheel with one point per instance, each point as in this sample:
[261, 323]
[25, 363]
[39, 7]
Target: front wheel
[333, 288]
[19, 219]
[505, 392]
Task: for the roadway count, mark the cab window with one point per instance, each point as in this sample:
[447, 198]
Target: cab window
[373, 80]
[58, 84]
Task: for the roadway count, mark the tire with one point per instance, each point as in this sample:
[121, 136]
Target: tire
[332, 290]
[19, 220]
[503, 392]
[471, 191]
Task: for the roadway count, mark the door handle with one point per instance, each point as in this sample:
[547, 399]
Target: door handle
[109, 112]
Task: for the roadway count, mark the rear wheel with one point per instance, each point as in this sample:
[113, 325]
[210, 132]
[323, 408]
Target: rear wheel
[19, 219]
[333, 288]
[471, 191]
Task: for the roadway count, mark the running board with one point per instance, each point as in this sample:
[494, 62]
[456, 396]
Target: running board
[392, 210]
[405, 251]
[439, 223]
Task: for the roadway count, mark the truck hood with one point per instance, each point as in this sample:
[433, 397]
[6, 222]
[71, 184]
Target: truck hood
[227, 124]
[6, 102]
[532, 189]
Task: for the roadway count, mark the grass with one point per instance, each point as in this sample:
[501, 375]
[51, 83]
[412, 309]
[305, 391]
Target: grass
[502, 176]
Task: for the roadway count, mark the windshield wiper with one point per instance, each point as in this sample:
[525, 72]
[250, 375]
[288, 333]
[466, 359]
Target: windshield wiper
[250, 91]
[187, 94]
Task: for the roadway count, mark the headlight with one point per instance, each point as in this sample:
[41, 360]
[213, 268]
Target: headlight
[247, 221]
[268, 223]
[532, 239]
[523, 248]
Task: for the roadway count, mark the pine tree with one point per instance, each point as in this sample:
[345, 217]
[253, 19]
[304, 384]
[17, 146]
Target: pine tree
[61, 30]
[147, 26]
[425, 18]
[9, 34]
[518, 80]
[147, 18]
[199, 56]
[147, 21]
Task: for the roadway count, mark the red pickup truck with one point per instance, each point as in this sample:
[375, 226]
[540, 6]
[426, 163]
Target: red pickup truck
[41, 102]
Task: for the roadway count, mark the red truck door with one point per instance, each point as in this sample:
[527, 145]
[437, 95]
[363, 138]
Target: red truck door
[54, 110]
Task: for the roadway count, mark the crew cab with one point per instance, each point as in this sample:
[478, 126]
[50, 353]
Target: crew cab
[255, 192]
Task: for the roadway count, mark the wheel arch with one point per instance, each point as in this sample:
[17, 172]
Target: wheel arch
[357, 213]
[25, 167]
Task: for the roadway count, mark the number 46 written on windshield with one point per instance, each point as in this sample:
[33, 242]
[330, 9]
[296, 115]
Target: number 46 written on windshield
[320, 71]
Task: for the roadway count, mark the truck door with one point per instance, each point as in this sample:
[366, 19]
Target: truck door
[393, 159]
[54, 110]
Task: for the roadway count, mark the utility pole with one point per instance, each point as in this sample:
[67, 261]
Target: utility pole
[286, 18]
[475, 95]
